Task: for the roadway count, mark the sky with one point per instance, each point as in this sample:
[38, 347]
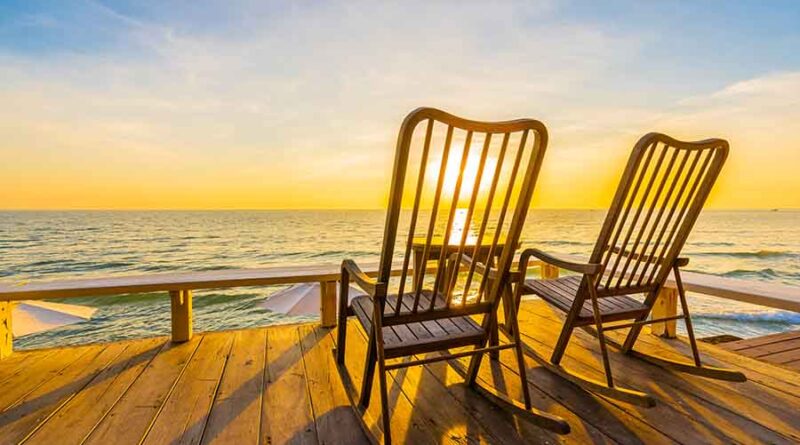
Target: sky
[251, 104]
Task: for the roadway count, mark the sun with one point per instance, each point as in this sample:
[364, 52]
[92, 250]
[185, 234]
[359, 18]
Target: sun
[469, 178]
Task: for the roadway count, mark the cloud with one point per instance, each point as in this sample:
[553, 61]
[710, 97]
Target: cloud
[264, 98]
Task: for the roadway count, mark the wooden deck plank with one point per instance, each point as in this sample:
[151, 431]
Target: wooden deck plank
[588, 411]
[495, 375]
[76, 419]
[287, 416]
[583, 358]
[434, 406]
[781, 349]
[765, 376]
[334, 417]
[405, 429]
[18, 421]
[748, 343]
[15, 387]
[12, 364]
[236, 414]
[499, 423]
[279, 385]
[130, 418]
[182, 419]
[721, 403]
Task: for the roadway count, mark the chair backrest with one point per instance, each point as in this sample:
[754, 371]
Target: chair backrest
[459, 188]
[658, 200]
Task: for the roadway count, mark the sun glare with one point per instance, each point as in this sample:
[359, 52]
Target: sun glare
[469, 178]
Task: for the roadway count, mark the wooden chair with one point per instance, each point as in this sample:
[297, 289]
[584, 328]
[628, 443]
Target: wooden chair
[458, 187]
[660, 195]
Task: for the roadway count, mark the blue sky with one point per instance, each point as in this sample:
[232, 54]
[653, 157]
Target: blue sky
[228, 90]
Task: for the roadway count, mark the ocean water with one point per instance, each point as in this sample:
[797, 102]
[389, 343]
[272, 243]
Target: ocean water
[755, 245]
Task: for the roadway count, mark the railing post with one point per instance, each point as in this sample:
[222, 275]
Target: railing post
[6, 334]
[327, 304]
[181, 315]
[548, 271]
[666, 306]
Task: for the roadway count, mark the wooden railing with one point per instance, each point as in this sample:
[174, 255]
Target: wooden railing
[180, 286]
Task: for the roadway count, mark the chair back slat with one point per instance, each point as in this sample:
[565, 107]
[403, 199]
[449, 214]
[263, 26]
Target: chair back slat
[458, 189]
[415, 213]
[659, 198]
[503, 209]
[444, 249]
[453, 274]
[486, 213]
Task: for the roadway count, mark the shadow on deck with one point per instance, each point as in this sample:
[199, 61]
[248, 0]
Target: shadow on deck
[279, 385]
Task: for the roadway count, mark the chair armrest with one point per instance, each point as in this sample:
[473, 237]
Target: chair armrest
[584, 268]
[351, 271]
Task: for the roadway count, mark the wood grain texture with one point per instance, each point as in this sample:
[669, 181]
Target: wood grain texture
[278, 385]
[78, 417]
[131, 417]
[6, 332]
[181, 316]
[183, 416]
[327, 304]
[666, 305]
[287, 415]
[781, 349]
[236, 412]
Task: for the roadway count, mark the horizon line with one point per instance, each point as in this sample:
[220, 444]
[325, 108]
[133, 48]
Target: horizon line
[333, 209]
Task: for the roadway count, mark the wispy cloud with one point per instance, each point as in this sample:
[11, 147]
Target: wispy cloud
[271, 97]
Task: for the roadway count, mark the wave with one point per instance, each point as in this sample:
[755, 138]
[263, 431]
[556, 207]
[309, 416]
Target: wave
[777, 317]
[759, 254]
[766, 273]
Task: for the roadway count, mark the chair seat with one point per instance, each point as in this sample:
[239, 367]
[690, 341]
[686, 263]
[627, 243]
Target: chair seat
[561, 293]
[419, 336]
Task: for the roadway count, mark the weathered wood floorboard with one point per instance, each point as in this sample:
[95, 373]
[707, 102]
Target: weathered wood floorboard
[280, 385]
[75, 420]
[696, 401]
[782, 349]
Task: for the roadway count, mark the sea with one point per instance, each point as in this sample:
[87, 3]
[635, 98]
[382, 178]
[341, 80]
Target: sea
[51, 245]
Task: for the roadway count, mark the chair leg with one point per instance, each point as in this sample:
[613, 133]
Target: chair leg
[687, 318]
[341, 326]
[494, 340]
[475, 361]
[513, 323]
[387, 434]
[369, 373]
[561, 344]
[600, 334]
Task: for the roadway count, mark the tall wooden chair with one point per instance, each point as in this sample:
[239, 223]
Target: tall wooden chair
[658, 200]
[459, 195]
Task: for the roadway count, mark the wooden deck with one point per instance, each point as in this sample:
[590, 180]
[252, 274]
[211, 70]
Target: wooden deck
[781, 349]
[279, 385]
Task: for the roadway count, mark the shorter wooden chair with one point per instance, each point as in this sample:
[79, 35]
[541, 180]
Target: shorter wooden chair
[440, 177]
[658, 200]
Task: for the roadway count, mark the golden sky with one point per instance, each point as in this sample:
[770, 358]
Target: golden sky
[298, 106]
